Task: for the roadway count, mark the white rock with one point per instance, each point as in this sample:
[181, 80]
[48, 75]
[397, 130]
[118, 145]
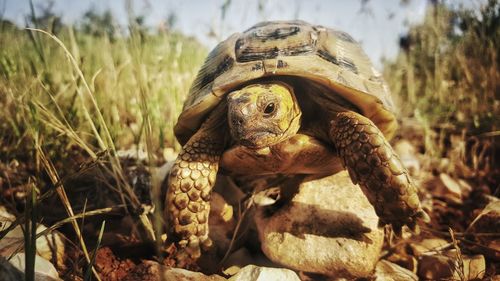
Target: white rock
[50, 246]
[6, 218]
[160, 174]
[448, 266]
[427, 245]
[388, 271]
[329, 227]
[44, 270]
[8, 272]
[445, 187]
[47, 245]
[134, 152]
[169, 154]
[231, 192]
[465, 187]
[179, 274]
[236, 261]
[488, 221]
[407, 153]
[153, 271]
[221, 222]
[256, 273]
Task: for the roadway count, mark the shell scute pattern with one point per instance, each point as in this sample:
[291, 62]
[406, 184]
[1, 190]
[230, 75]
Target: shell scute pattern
[269, 42]
[328, 56]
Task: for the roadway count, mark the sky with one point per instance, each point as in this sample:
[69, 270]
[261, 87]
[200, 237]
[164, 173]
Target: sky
[376, 24]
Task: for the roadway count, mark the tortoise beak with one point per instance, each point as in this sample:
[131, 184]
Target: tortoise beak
[259, 138]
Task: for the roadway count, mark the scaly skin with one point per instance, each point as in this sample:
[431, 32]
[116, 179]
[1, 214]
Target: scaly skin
[373, 164]
[265, 119]
[190, 186]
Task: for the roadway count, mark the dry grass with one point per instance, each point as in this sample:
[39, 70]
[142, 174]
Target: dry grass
[74, 99]
[447, 73]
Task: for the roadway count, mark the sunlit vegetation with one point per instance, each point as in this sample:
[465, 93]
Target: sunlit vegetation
[73, 97]
[446, 74]
[130, 74]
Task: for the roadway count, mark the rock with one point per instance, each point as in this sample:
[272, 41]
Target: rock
[406, 261]
[169, 154]
[49, 246]
[427, 245]
[232, 193]
[401, 254]
[158, 175]
[488, 198]
[465, 187]
[266, 197]
[221, 222]
[446, 188]
[6, 218]
[152, 271]
[448, 266]
[9, 272]
[134, 152]
[255, 273]
[186, 275]
[44, 270]
[236, 261]
[388, 271]
[329, 227]
[488, 221]
[407, 152]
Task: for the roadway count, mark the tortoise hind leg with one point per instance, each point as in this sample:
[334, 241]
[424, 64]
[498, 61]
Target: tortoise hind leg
[190, 185]
[373, 164]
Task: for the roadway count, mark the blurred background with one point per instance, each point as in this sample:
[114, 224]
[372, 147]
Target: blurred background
[111, 75]
[376, 24]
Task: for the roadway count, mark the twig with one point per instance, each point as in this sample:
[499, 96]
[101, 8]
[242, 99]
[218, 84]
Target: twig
[237, 229]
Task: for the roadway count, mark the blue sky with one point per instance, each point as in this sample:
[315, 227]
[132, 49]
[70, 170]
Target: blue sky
[377, 25]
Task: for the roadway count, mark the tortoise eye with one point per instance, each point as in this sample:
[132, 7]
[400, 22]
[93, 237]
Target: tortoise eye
[270, 108]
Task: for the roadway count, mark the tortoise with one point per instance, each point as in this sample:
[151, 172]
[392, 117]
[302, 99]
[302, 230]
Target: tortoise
[286, 97]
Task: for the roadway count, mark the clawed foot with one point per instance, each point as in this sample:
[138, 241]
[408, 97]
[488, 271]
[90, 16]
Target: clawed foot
[187, 255]
[373, 164]
[411, 222]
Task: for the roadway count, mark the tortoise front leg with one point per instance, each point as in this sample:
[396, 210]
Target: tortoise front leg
[190, 185]
[373, 164]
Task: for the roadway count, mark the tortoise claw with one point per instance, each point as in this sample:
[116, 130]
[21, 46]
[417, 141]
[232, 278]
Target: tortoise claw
[178, 257]
[398, 230]
[413, 226]
[415, 229]
[423, 216]
[420, 216]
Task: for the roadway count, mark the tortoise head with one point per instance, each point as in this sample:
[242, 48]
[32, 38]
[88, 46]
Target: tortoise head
[263, 114]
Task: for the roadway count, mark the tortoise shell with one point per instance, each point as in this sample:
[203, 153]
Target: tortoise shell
[288, 48]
